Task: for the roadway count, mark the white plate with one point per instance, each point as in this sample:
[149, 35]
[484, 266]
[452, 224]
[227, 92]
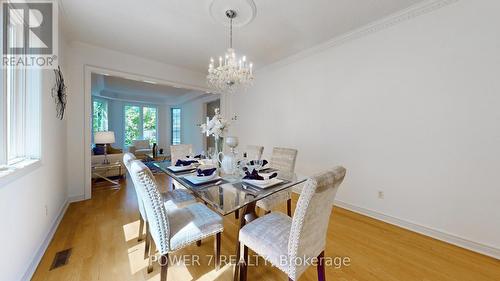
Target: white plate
[194, 179]
[207, 162]
[266, 175]
[264, 183]
[181, 168]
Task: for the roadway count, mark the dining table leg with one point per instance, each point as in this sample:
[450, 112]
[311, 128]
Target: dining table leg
[247, 215]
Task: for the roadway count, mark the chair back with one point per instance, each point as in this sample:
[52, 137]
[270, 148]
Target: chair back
[127, 161]
[142, 144]
[311, 218]
[283, 159]
[180, 151]
[153, 204]
[254, 152]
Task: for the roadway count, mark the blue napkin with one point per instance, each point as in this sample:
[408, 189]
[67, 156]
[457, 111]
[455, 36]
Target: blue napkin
[254, 175]
[252, 162]
[185, 163]
[205, 173]
[195, 157]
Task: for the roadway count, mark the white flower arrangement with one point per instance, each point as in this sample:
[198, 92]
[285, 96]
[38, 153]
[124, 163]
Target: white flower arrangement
[216, 127]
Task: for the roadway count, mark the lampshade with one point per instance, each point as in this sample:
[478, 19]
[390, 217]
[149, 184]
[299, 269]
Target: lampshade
[104, 137]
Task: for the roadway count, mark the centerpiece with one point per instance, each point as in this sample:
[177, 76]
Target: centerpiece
[216, 127]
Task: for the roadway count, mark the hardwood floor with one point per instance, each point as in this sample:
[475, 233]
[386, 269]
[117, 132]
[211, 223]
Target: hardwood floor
[102, 233]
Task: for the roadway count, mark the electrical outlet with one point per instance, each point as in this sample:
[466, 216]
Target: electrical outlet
[380, 194]
[46, 210]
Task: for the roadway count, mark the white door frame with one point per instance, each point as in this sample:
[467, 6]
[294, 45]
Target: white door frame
[87, 80]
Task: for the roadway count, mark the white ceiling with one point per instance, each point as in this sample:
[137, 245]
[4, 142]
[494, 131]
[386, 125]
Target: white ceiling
[182, 32]
[137, 91]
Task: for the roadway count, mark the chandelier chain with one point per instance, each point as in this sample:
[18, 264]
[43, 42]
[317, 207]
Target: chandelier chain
[231, 33]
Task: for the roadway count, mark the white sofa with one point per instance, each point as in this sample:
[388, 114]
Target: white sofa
[140, 148]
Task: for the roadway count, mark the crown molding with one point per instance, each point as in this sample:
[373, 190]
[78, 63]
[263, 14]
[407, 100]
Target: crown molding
[414, 11]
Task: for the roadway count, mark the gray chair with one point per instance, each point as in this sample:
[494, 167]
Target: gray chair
[172, 199]
[302, 238]
[172, 229]
[282, 159]
[180, 151]
[254, 152]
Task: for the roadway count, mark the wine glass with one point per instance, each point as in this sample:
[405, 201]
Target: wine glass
[255, 165]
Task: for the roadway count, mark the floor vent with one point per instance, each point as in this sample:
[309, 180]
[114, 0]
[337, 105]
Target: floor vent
[61, 258]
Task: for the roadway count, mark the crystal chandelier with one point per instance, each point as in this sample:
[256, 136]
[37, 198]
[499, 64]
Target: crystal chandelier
[231, 73]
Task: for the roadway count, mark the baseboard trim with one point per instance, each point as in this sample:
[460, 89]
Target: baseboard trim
[48, 237]
[436, 234]
[76, 198]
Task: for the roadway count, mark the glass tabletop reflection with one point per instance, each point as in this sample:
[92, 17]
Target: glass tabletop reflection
[229, 193]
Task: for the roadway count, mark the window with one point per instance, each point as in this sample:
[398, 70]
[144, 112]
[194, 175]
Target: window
[141, 122]
[99, 115]
[176, 125]
[132, 123]
[19, 110]
[149, 124]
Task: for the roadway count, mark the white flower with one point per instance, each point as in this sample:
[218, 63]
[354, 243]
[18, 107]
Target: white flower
[216, 126]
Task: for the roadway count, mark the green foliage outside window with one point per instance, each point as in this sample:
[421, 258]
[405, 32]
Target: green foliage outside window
[149, 124]
[140, 123]
[132, 123]
[100, 116]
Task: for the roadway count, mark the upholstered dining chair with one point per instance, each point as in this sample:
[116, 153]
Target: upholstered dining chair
[173, 199]
[254, 152]
[174, 228]
[282, 159]
[180, 151]
[289, 243]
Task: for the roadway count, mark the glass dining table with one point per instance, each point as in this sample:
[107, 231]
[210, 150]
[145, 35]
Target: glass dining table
[230, 194]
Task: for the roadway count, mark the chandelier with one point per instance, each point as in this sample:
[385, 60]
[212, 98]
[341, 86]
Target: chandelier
[231, 73]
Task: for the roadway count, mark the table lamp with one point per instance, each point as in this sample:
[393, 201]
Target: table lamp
[105, 138]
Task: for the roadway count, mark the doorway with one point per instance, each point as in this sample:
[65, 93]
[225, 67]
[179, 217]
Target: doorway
[210, 112]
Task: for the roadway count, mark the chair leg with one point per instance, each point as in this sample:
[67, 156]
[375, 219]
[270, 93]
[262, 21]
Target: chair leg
[244, 265]
[237, 214]
[141, 229]
[321, 267]
[152, 252]
[267, 212]
[289, 207]
[164, 267]
[198, 243]
[217, 245]
[148, 242]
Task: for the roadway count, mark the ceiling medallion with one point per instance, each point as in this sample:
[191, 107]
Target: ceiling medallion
[230, 73]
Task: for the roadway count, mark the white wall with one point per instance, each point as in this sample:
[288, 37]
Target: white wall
[412, 110]
[25, 225]
[81, 55]
[192, 114]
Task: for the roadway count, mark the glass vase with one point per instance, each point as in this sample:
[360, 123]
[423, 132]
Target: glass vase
[219, 142]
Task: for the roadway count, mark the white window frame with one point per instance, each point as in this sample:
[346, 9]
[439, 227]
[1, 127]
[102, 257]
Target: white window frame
[172, 125]
[20, 141]
[141, 121]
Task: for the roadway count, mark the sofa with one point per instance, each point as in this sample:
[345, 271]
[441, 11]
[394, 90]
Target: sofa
[140, 148]
[114, 155]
